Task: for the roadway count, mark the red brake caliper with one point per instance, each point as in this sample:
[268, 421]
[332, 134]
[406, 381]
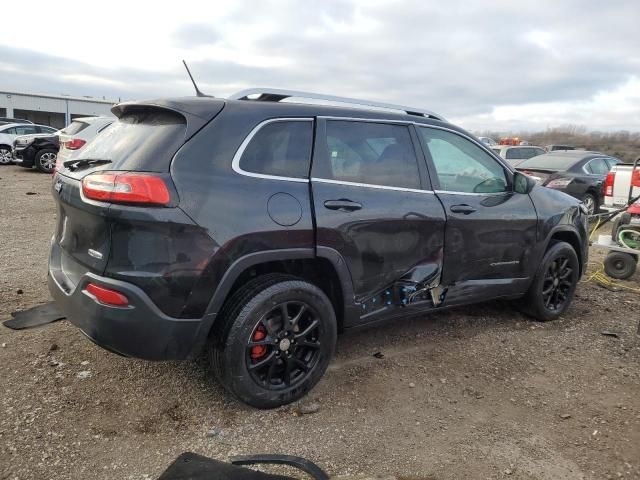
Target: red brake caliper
[259, 350]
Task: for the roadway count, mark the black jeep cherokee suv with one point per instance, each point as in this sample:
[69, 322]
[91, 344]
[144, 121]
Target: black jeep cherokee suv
[259, 229]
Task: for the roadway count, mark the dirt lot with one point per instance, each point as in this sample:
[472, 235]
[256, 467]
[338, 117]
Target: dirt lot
[477, 392]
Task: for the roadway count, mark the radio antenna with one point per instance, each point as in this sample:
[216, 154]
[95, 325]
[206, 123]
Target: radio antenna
[198, 92]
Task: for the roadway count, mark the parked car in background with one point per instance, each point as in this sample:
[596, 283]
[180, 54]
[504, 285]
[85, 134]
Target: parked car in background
[214, 223]
[553, 148]
[39, 150]
[517, 154]
[5, 120]
[622, 181]
[578, 173]
[10, 131]
[78, 133]
[488, 141]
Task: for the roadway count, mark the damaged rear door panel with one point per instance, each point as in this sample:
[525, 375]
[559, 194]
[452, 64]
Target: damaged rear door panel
[374, 205]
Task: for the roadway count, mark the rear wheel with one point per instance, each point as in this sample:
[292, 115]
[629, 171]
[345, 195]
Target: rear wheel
[554, 285]
[591, 202]
[46, 160]
[620, 265]
[5, 155]
[274, 340]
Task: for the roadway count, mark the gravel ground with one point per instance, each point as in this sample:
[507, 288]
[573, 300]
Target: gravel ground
[477, 392]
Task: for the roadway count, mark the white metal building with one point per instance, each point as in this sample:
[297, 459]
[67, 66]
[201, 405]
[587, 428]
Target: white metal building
[54, 110]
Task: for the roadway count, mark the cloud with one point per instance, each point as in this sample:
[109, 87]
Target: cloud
[194, 35]
[482, 64]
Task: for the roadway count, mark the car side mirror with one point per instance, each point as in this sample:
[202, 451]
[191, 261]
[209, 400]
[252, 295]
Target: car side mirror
[522, 183]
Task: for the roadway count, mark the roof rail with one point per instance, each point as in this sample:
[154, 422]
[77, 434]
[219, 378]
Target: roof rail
[276, 95]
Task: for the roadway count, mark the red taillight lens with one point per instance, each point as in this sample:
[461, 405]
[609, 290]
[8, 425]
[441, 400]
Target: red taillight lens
[635, 177]
[74, 144]
[138, 188]
[608, 184]
[107, 296]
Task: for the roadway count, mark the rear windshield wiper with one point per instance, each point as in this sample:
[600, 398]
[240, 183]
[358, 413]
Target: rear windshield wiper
[85, 162]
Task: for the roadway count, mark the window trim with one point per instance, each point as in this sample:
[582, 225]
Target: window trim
[235, 163]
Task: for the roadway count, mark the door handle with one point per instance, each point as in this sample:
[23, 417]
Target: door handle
[464, 209]
[343, 205]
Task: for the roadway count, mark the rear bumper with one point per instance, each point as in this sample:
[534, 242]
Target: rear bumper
[139, 330]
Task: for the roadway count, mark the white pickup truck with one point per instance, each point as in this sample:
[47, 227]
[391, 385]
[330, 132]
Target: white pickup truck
[618, 183]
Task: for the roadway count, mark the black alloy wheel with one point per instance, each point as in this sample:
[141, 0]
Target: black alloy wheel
[284, 346]
[558, 282]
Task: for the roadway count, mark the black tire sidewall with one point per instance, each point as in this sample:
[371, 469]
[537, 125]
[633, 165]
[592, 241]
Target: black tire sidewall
[535, 302]
[236, 375]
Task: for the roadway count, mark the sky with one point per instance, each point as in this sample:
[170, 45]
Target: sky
[496, 65]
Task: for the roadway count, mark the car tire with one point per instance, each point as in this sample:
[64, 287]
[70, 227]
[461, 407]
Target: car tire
[620, 265]
[554, 284]
[262, 360]
[6, 157]
[591, 202]
[46, 160]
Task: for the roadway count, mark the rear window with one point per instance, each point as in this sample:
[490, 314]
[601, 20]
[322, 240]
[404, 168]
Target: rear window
[550, 162]
[142, 140]
[281, 149]
[74, 127]
[514, 154]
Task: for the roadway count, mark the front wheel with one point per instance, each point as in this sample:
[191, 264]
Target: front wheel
[46, 160]
[274, 340]
[554, 285]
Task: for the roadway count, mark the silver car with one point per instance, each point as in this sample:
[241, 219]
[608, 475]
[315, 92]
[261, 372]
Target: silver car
[517, 154]
[78, 133]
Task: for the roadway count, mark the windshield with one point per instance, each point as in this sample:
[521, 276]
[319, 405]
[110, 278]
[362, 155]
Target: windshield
[550, 162]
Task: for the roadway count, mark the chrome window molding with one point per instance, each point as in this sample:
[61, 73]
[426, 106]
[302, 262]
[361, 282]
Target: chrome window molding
[369, 185]
[235, 163]
[450, 192]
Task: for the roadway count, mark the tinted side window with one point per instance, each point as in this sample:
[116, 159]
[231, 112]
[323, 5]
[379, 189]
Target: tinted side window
[514, 154]
[598, 166]
[26, 130]
[372, 153]
[281, 148]
[461, 165]
[612, 161]
[10, 131]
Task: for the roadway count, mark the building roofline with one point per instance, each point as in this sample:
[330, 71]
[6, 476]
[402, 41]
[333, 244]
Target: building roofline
[61, 97]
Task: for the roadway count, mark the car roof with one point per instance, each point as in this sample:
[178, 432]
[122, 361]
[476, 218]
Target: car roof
[200, 106]
[577, 154]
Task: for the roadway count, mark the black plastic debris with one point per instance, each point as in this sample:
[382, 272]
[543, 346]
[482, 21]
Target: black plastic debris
[610, 334]
[191, 466]
[34, 317]
[378, 355]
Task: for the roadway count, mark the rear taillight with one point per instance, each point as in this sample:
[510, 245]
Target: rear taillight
[136, 188]
[635, 177]
[608, 184]
[74, 144]
[107, 296]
